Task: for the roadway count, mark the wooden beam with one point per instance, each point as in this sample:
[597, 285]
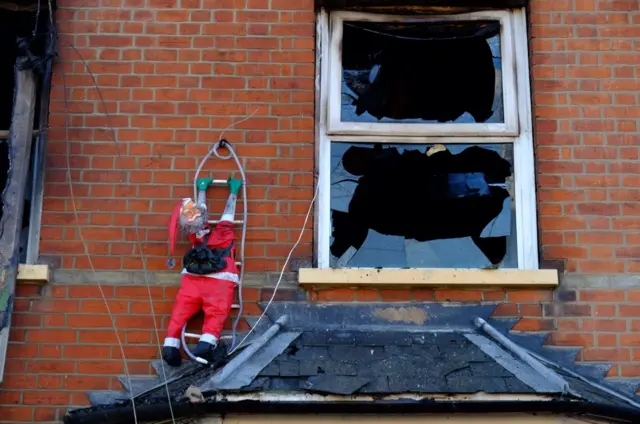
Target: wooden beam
[39, 163]
[391, 4]
[4, 134]
[33, 274]
[472, 278]
[20, 140]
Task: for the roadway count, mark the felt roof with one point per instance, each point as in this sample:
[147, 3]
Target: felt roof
[343, 353]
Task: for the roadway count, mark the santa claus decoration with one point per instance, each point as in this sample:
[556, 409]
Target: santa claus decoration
[209, 274]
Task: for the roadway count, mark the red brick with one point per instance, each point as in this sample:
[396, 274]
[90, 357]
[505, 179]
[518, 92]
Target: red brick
[629, 310]
[45, 398]
[630, 340]
[605, 355]
[532, 324]
[18, 413]
[523, 296]
[336, 295]
[571, 339]
[604, 325]
[12, 381]
[366, 295]
[602, 296]
[101, 367]
[458, 295]
[83, 382]
[395, 295]
[423, 295]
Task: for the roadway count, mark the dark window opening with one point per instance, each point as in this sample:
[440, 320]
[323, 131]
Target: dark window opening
[422, 72]
[4, 168]
[422, 206]
[23, 33]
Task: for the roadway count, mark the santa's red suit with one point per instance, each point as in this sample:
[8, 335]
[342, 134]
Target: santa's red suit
[214, 293]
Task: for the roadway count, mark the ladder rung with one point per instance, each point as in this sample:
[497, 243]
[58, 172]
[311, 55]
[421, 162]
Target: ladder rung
[197, 336]
[217, 221]
[220, 183]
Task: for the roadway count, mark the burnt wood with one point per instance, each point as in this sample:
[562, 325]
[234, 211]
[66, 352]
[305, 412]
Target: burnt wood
[407, 4]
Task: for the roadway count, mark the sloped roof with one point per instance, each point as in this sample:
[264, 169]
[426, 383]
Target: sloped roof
[382, 362]
[355, 355]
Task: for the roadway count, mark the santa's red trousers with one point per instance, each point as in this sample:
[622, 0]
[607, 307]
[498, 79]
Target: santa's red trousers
[214, 295]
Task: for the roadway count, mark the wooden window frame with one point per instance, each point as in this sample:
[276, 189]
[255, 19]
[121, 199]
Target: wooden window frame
[516, 101]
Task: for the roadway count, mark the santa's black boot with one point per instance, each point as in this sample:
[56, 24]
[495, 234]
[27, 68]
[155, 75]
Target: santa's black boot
[213, 354]
[171, 356]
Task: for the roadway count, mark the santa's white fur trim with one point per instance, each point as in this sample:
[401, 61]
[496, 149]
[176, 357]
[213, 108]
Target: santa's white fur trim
[172, 342]
[209, 338]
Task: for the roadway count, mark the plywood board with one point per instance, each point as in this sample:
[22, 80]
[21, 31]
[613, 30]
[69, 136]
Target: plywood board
[33, 274]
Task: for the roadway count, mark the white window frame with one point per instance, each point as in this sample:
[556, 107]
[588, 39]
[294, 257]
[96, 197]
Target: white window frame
[517, 128]
[336, 126]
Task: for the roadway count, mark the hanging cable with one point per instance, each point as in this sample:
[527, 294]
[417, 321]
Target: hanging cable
[284, 267]
[138, 239]
[86, 248]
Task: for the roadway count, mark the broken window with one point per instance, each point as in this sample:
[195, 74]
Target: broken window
[420, 141]
[421, 72]
[23, 33]
[422, 206]
[443, 75]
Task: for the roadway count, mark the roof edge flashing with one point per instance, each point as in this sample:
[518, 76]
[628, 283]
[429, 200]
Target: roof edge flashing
[161, 412]
[222, 375]
[595, 384]
[522, 354]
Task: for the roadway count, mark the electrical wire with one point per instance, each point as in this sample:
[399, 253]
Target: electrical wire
[284, 267]
[138, 239]
[86, 248]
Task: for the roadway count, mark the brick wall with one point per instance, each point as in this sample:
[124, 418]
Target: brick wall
[63, 344]
[175, 73]
[586, 94]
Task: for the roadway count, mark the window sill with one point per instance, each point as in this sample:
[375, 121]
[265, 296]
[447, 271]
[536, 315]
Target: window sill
[330, 277]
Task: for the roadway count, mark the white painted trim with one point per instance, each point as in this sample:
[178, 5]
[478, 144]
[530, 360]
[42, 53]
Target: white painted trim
[321, 28]
[422, 139]
[227, 276]
[323, 147]
[517, 105]
[336, 127]
[172, 342]
[523, 153]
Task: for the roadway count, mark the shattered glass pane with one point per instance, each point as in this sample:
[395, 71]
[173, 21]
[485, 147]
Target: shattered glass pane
[422, 72]
[422, 206]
